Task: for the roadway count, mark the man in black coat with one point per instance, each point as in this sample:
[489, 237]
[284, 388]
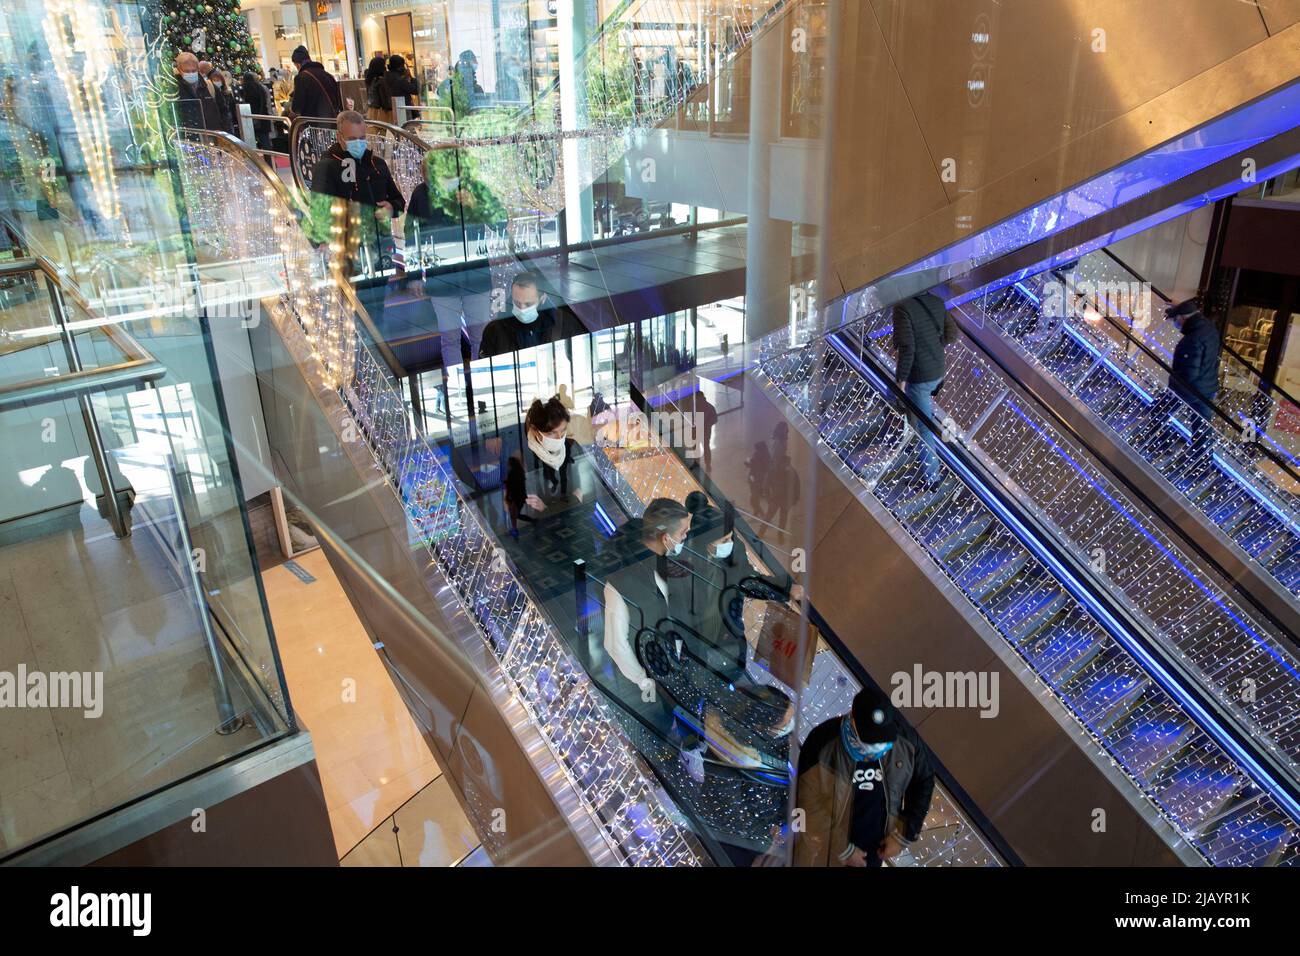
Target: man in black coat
[528, 322]
[315, 91]
[196, 107]
[351, 171]
[1195, 377]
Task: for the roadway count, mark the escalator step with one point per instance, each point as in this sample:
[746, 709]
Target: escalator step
[973, 530]
[1147, 745]
[1062, 654]
[986, 576]
[1194, 794]
[1251, 838]
[1029, 617]
[1105, 696]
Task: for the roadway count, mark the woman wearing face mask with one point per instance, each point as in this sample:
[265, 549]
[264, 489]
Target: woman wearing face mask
[547, 426]
[865, 784]
[220, 81]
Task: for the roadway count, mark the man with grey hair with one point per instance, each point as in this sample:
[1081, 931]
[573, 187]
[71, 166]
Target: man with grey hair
[196, 107]
[354, 173]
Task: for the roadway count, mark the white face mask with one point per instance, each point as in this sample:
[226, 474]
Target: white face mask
[527, 316]
[722, 549]
[190, 78]
[552, 444]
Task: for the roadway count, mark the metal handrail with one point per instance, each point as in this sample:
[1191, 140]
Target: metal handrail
[140, 366]
[1264, 386]
[239, 148]
[1132, 339]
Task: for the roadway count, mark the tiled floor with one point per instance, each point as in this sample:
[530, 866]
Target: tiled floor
[372, 757]
[74, 598]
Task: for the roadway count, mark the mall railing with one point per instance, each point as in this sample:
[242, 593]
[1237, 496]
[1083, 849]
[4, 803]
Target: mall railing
[1168, 740]
[635, 819]
[1231, 476]
[120, 389]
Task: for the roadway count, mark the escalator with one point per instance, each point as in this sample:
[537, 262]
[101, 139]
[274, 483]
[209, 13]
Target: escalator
[496, 678]
[1178, 742]
[1231, 473]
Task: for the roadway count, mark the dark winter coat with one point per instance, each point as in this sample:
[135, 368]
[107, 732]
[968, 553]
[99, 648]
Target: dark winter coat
[315, 92]
[922, 327]
[1196, 360]
[197, 108]
[398, 83]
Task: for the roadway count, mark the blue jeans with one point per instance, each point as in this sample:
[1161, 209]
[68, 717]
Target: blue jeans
[922, 396]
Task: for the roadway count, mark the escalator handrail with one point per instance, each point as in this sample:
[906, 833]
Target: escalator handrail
[1159, 662]
[240, 149]
[1263, 385]
[1147, 350]
[1063, 424]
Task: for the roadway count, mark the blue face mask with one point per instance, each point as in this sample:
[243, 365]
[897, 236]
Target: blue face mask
[858, 749]
[357, 147]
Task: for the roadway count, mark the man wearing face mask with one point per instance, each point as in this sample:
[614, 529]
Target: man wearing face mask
[865, 784]
[350, 178]
[196, 107]
[642, 595]
[529, 320]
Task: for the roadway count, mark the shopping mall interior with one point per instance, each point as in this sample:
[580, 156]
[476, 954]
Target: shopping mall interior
[694, 433]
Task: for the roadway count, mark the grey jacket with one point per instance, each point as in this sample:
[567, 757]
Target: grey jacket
[922, 327]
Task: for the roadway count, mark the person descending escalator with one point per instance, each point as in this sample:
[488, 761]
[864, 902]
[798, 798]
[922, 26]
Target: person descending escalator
[1195, 368]
[196, 107]
[922, 327]
[353, 202]
[865, 783]
[639, 596]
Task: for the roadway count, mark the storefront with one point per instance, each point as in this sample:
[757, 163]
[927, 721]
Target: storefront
[278, 28]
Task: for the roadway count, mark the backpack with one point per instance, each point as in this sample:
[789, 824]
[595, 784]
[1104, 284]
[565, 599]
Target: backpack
[376, 94]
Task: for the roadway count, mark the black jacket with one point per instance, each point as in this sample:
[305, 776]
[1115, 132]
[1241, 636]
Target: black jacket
[315, 92]
[373, 182]
[922, 327]
[229, 111]
[196, 108]
[1196, 360]
[258, 98]
[398, 83]
[505, 333]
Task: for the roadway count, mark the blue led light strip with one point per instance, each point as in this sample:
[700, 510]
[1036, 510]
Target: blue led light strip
[1105, 360]
[1151, 663]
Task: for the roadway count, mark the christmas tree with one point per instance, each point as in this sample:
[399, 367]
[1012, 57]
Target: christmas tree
[212, 31]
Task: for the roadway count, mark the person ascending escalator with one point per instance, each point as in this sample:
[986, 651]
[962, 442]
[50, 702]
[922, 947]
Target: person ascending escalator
[354, 193]
[865, 784]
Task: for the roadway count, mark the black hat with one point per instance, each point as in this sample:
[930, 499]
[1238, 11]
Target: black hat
[1186, 307]
[873, 717]
[300, 54]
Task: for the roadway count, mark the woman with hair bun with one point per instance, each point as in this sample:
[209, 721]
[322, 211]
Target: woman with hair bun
[546, 427]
